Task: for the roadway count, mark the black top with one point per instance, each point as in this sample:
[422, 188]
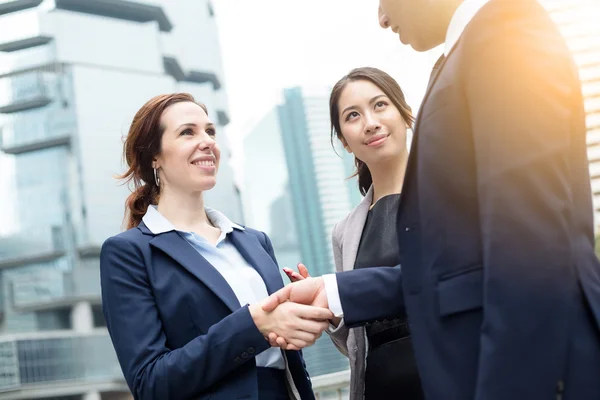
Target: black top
[391, 366]
[379, 241]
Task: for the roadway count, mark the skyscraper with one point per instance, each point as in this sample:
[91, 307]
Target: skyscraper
[317, 175]
[578, 21]
[73, 75]
[295, 189]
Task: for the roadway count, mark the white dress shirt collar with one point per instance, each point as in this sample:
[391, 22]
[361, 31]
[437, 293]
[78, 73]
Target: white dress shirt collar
[461, 18]
[157, 223]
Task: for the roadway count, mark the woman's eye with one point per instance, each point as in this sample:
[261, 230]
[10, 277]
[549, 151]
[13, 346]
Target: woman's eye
[186, 132]
[380, 104]
[211, 132]
[351, 115]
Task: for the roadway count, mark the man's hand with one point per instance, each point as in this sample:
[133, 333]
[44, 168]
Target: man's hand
[310, 291]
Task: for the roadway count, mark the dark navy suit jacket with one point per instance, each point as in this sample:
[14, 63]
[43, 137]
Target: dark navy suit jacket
[176, 325]
[495, 225]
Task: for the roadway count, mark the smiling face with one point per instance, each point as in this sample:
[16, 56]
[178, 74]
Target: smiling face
[370, 124]
[189, 156]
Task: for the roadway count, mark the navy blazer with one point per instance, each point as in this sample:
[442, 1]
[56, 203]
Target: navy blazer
[495, 226]
[175, 323]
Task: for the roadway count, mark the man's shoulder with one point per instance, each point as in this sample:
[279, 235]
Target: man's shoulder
[507, 20]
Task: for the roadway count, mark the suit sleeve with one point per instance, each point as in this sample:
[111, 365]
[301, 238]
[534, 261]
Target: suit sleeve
[521, 92]
[370, 294]
[153, 370]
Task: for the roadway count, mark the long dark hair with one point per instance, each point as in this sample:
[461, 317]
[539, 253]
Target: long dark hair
[390, 88]
[141, 146]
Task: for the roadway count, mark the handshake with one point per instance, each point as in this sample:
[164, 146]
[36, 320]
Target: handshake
[295, 316]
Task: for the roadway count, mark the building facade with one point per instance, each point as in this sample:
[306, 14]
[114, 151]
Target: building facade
[296, 188]
[73, 74]
[578, 21]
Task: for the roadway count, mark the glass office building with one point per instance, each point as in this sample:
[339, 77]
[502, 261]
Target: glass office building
[72, 75]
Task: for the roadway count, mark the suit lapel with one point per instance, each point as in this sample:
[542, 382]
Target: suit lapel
[252, 250]
[176, 247]
[353, 231]
[435, 73]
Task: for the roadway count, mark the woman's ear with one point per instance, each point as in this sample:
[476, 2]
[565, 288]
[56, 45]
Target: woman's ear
[345, 144]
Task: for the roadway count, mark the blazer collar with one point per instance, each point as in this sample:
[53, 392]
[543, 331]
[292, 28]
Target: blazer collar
[253, 251]
[172, 244]
[176, 247]
[353, 230]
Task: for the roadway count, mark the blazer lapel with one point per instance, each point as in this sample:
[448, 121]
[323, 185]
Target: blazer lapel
[435, 73]
[353, 231]
[181, 251]
[252, 250]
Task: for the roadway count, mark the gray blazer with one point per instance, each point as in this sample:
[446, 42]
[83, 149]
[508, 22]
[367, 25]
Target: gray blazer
[351, 342]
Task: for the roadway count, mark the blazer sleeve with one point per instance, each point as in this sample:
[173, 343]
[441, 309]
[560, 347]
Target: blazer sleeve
[153, 370]
[370, 294]
[339, 334]
[522, 92]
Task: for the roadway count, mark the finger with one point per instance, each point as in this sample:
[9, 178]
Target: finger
[272, 337]
[303, 271]
[305, 341]
[281, 342]
[292, 347]
[312, 312]
[302, 339]
[314, 327]
[281, 296]
[295, 277]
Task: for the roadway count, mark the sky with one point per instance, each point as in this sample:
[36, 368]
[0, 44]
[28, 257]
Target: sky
[268, 45]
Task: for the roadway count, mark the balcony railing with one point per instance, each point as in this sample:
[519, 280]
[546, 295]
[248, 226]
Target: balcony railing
[332, 386]
[57, 358]
[34, 245]
[30, 88]
[31, 134]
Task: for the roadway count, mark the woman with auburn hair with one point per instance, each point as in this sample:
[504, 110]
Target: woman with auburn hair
[370, 117]
[181, 288]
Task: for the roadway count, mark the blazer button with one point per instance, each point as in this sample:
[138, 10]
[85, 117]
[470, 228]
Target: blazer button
[244, 355]
[407, 229]
[251, 350]
[237, 360]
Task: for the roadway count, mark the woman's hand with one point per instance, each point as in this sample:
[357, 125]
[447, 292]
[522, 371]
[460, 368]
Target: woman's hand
[298, 325]
[297, 276]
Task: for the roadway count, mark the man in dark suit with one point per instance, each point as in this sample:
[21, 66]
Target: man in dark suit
[498, 273]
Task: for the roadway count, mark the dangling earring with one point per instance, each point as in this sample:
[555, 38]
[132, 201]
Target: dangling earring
[156, 178]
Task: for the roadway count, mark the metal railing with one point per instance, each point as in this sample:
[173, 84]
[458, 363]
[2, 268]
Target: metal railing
[332, 386]
[56, 358]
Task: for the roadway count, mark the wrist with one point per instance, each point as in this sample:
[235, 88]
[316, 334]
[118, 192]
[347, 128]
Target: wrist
[259, 317]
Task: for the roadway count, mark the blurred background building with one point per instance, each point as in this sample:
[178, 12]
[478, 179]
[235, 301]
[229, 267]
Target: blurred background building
[73, 73]
[296, 189]
[578, 22]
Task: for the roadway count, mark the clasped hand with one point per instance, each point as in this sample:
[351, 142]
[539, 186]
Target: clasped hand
[297, 315]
